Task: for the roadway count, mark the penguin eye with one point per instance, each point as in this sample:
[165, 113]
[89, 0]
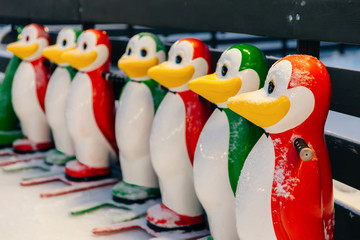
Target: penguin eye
[271, 86]
[63, 43]
[85, 45]
[129, 52]
[143, 52]
[27, 38]
[178, 59]
[224, 70]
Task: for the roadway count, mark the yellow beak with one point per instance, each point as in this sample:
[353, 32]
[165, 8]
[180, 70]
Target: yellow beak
[53, 53]
[260, 109]
[171, 77]
[214, 89]
[79, 59]
[21, 50]
[134, 67]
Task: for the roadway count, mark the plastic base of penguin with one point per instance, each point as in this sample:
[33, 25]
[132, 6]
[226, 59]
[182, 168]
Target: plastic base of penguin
[131, 211]
[130, 193]
[130, 197]
[54, 171]
[56, 157]
[77, 172]
[8, 157]
[161, 218]
[23, 166]
[72, 186]
[142, 223]
[24, 150]
[78, 176]
[25, 145]
[52, 158]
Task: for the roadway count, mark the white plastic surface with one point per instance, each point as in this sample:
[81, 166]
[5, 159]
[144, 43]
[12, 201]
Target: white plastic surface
[211, 176]
[253, 195]
[26, 104]
[134, 119]
[170, 157]
[91, 147]
[55, 101]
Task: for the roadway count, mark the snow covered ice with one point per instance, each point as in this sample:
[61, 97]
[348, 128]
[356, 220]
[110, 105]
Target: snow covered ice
[26, 216]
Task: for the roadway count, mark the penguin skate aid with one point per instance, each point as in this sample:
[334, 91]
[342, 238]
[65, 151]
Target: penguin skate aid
[96, 145]
[296, 196]
[227, 138]
[139, 101]
[27, 99]
[184, 218]
[55, 100]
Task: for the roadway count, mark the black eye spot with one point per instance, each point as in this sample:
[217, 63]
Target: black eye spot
[129, 52]
[143, 52]
[85, 46]
[224, 70]
[64, 42]
[27, 38]
[178, 59]
[271, 86]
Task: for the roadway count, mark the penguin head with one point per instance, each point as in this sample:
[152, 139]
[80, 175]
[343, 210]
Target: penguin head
[92, 52]
[32, 40]
[297, 91]
[143, 51]
[241, 68]
[65, 41]
[189, 58]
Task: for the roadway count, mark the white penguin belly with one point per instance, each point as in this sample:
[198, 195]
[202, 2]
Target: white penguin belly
[91, 147]
[26, 104]
[134, 119]
[211, 176]
[253, 195]
[170, 157]
[55, 100]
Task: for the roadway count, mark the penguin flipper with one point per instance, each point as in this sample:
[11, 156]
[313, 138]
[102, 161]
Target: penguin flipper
[104, 107]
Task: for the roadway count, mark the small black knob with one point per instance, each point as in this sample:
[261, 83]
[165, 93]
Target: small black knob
[303, 149]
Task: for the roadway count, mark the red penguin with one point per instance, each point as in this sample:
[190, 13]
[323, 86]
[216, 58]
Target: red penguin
[29, 88]
[176, 128]
[279, 194]
[90, 109]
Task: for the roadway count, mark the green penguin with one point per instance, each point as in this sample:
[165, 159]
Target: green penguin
[9, 123]
[138, 103]
[227, 138]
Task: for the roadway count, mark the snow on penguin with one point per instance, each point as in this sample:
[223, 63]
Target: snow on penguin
[90, 108]
[278, 192]
[56, 96]
[138, 103]
[227, 138]
[29, 88]
[175, 131]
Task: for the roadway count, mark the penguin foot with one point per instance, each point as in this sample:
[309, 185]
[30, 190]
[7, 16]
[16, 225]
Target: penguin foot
[25, 145]
[161, 218]
[131, 193]
[55, 157]
[77, 171]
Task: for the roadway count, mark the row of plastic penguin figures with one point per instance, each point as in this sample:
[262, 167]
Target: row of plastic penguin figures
[250, 152]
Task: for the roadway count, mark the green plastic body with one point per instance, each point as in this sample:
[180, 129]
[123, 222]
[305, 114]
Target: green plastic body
[9, 123]
[243, 136]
